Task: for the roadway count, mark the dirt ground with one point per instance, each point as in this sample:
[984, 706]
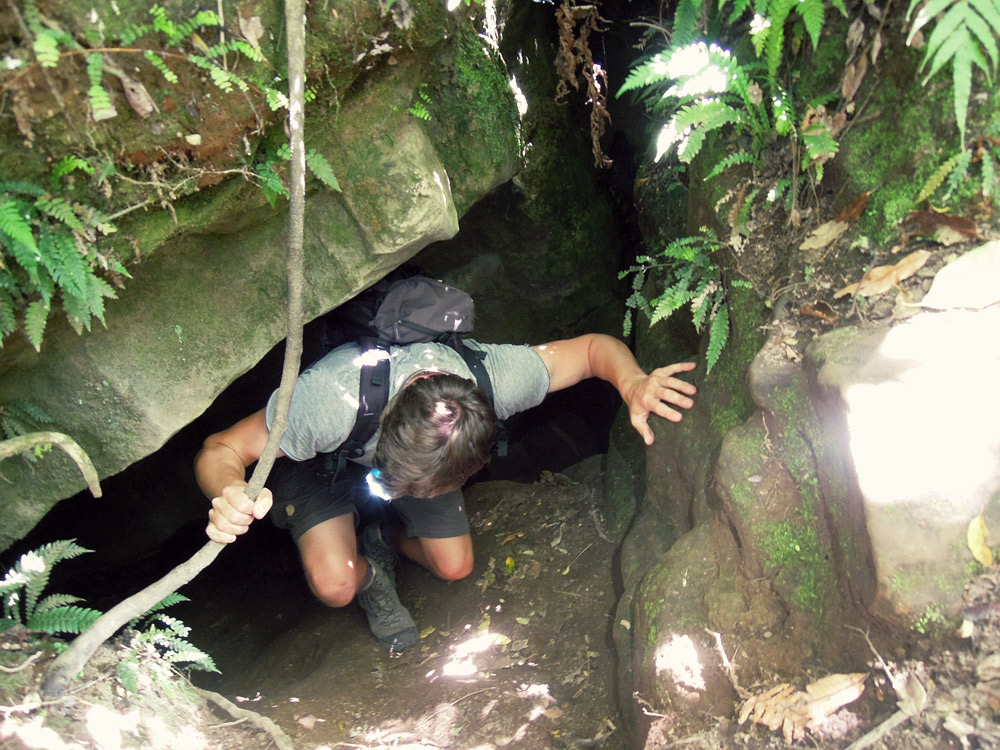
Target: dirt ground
[518, 655]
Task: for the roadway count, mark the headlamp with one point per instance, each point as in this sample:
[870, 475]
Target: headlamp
[375, 486]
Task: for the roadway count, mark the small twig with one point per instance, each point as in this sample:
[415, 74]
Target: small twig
[222, 33]
[227, 723]
[730, 671]
[457, 700]
[566, 570]
[28, 662]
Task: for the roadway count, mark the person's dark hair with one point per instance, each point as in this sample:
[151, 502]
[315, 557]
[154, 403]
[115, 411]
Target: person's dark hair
[434, 434]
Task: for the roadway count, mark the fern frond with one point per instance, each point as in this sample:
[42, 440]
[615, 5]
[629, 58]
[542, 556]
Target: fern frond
[24, 188]
[168, 601]
[812, 13]
[35, 318]
[60, 210]
[774, 46]
[100, 102]
[936, 179]
[718, 335]
[959, 173]
[687, 17]
[738, 9]
[15, 224]
[56, 600]
[671, 301]
[737, 157]
[63, 620]
[46, 48]
[321, 168]
[985, 34]
[989, 175]
[38, 566]
[161, 66]
[648, 72]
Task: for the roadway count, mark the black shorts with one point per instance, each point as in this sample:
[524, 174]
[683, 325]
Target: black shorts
[304, 496]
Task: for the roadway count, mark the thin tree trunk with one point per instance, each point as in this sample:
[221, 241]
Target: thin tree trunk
[72, 661]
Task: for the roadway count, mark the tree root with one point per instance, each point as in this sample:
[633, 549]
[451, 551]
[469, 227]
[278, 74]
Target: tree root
[264, 724]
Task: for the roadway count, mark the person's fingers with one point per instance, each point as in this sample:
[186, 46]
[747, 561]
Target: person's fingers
[263, 503]
[641, 424]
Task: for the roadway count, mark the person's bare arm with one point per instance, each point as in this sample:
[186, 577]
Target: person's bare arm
[220, 469]
[596, 355]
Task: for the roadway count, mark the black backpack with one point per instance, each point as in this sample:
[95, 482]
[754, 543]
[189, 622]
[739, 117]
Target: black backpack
[405, 307]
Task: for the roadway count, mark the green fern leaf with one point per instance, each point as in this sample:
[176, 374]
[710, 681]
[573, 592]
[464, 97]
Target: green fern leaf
[962, 83]
[990, 11]
[669, 304]
[59, 209]
[63, 620]
[321, 168]
[15, 224]
[812, 12]
[46, 48]
[737, 157]
[687, 17]
[35, 318]
[945, 51]
[718, 335]
[738, 9]
[936, 179]
[133, 32]
[774, 46]
[959, 173]
[24, 188]
[927, 13]
[56, 600]
[989, 175]
[38, 571]
[982, 31]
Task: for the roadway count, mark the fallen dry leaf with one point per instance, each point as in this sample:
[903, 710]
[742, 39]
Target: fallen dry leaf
[823, 235]
[883, 278]
[976, 538]
[854, 74]
[829, 694]
[853, 210]
[793, 711]
[252, 30]
[943, 227]
[821, 310]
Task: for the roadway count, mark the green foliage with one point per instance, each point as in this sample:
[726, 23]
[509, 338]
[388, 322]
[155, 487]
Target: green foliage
[165, 637]
[956, 172]
[419, 107]
[48, 254]
[18, 417]
[703, 88]
[690, 278]
[963, 31]
[270, 182]
[22, 588]
[321, 169]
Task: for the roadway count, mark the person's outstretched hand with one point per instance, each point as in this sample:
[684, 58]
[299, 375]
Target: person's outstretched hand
[233, 512]
[654, 393]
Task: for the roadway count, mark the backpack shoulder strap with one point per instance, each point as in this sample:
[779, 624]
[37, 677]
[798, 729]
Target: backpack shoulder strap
[373, 396]
[474, 360]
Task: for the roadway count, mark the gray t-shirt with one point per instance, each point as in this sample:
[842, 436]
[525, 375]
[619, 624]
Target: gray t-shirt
[325, 400]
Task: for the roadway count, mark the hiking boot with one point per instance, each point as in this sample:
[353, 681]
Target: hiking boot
[388, 620]
[373, 543]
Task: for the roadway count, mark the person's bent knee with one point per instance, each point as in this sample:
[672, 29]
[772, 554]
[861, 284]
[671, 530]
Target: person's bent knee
[453, 570]
[333, 592]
